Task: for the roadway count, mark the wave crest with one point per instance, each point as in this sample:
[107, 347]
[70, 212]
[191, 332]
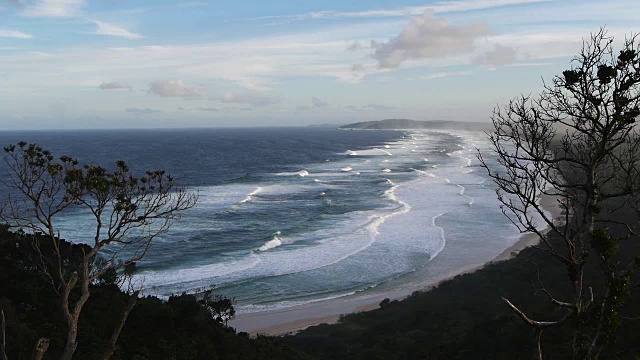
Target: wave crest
[273, 243]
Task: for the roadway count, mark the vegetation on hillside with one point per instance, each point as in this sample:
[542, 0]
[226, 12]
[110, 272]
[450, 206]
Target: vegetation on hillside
[181, 328]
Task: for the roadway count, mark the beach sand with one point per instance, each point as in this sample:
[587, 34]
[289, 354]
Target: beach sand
[296, 318]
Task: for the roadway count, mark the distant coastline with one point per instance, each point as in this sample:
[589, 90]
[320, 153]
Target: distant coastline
[407, 124]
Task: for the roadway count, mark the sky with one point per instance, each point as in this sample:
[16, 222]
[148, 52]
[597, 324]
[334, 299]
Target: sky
[86, 64]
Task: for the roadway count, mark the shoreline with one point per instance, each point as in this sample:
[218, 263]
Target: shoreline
[297, 318]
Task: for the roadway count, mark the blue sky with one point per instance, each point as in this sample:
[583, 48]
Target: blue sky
[69, 64]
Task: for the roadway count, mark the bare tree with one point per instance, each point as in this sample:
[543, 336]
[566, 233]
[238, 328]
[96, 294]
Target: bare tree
[128, 212]
[577, 141]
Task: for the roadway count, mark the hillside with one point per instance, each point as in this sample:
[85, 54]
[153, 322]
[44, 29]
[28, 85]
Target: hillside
[394, 124]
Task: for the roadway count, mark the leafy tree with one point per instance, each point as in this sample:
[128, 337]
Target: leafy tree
[128, 212]
[220, 307]
[577, 141]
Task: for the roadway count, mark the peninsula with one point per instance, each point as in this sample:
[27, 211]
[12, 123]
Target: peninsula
[396, 124]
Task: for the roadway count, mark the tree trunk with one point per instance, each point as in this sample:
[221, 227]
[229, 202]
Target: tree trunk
[111, 346]
[41, 347]
[73, 317]
[3, 344]
[538, 355]
[71, 344]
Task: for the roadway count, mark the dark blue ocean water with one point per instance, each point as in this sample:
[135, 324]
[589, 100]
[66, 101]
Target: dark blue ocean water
[290, 215]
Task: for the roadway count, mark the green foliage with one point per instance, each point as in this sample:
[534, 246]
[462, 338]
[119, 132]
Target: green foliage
[180, 328]
[605, 245]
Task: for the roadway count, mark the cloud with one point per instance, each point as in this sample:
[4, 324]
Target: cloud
[103, 28]
[317, 103]
[446, 6]
[355, 46]
[501, 55]
[142, 111]
[52, 8]
[356, 68]
[115, 86]
[14, 34]
[174, 88]
[253, 99]
[427, 37]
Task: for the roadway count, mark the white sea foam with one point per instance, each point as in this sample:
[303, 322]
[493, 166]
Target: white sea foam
[375, 221]
[273, 243]
[154, 279]
[462, 190]
[421, 172]
[386, 170]
[251, 195]
[290, 303]
[444, 240]
[303, 173]
[346, 169]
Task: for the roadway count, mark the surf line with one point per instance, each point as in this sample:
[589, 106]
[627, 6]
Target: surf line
[376, 220]
[444, 240]
[251, 195]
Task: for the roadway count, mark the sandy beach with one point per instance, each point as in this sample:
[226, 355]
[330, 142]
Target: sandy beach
[296, 318]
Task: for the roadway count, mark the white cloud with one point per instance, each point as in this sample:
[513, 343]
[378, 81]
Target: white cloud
[253, 99]
[14, 34]
[103, 28]
[437, 7]
[115, 86]
[426, 37]
[318, 103]
[501, 55]
[174, 88]
[355, 46]
[262, 62]
[53, 8]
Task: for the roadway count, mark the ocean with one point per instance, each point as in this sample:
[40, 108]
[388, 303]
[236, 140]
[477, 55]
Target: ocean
[287, 216]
